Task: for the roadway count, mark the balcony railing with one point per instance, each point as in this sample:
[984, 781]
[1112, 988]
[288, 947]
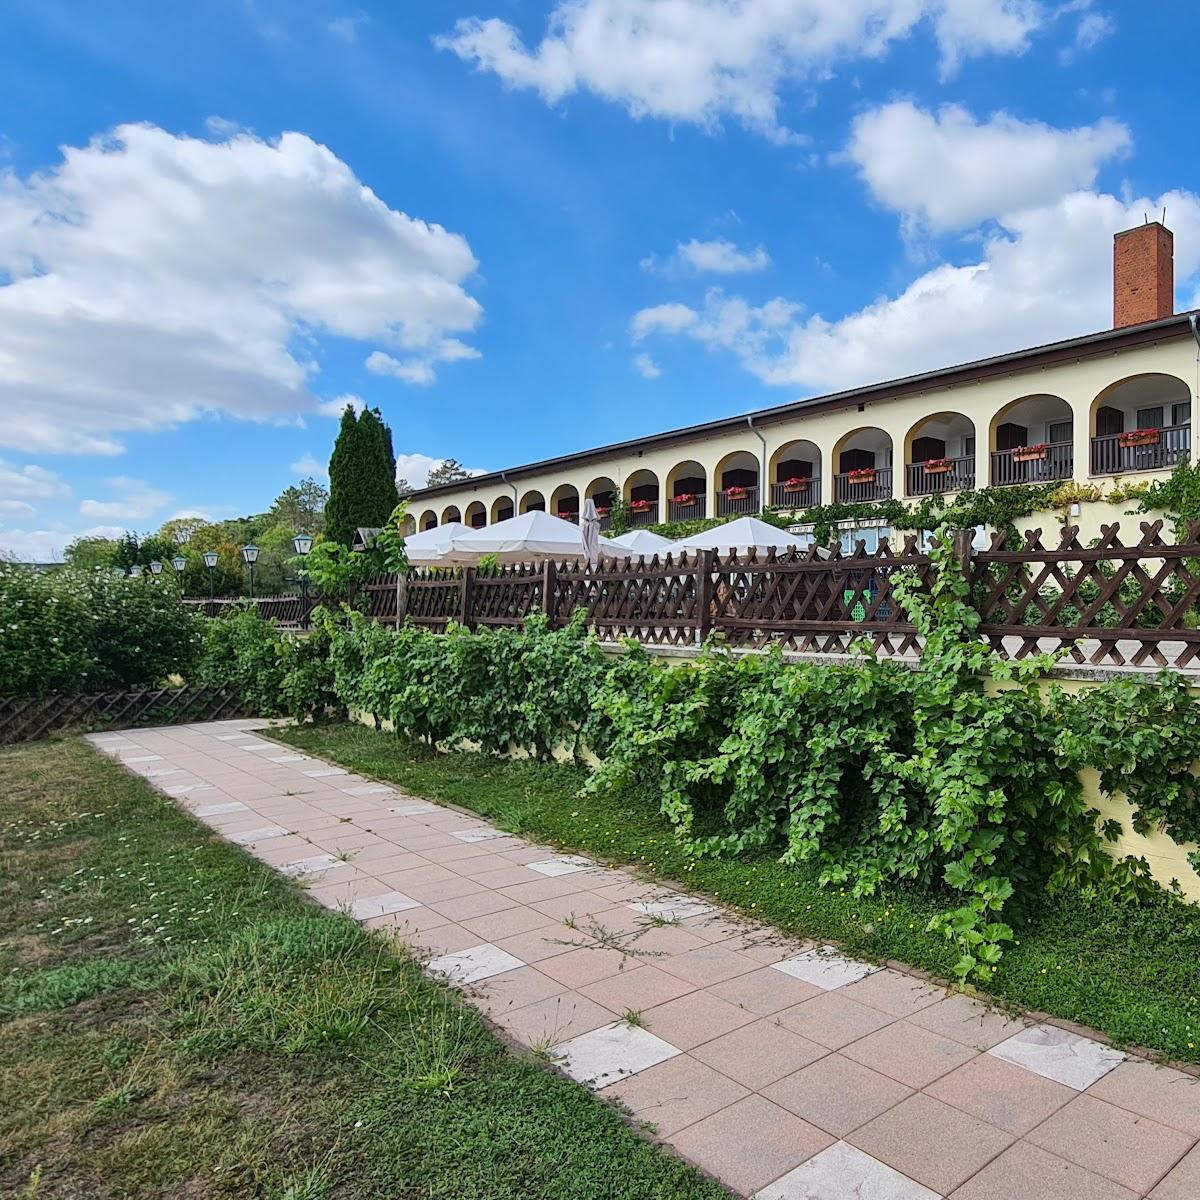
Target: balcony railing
[945, 475]
[746, 503]
[1032, 464]
[804, 496]
[571, 515]
[1110, 457]
[644, 516]
[693, 511]
[605, 521]
[849, 490]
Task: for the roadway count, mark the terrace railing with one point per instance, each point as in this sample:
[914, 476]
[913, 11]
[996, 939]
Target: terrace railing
[738, 502]
[940, 475]
[1141, 450]
[855, 487]
[647, 515]
[686, 510]
[797, 495]
[1042, 463]
[1108, 604]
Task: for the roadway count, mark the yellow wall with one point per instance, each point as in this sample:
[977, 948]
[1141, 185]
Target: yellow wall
[1078, 383]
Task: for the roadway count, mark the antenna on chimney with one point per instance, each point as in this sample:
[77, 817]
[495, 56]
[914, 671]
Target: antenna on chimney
[1164, 219]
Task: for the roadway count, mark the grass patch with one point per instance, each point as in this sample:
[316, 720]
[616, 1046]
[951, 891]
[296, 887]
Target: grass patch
[177, 1020]
[1132, 972]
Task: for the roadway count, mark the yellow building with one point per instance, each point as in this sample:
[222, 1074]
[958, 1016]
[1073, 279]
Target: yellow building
[1120, 403]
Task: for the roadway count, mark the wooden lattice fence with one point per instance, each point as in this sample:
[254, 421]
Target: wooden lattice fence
[24, 719]
[1108, 604]
[292, 612]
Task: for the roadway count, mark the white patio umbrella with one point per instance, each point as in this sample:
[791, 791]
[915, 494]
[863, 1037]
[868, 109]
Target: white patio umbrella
[637, 543]
[530, 536]
[740, 537]
[428, 547]
[589, 532]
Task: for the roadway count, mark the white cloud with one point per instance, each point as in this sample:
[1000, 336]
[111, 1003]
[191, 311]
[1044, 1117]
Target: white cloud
[717, 257]
[347, 28]
[337, 406]
[661, 318]
[946, 170]
[422, 367]
[700, 61]
[416, 467]
[150, 278]
[31, 482]
[16, 508]
[307, 465]
[413, 370]
[135, 500]
[47, 545]
[646, 367]
[1091, 30]
[1045, 275]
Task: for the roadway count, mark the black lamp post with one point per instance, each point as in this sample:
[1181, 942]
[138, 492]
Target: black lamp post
[250, 554]
[302, 544]
[210, 561]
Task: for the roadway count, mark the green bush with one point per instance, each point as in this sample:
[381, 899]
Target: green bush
[74, 631]
[275, 673]
[961, 777]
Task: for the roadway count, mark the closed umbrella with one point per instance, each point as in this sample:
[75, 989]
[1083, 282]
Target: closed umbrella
[589, 532]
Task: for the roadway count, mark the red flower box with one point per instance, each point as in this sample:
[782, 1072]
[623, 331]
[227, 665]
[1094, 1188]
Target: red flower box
[567, 514]
[735, 493]
[684, 498]
[640, 505]
[937, 466]
[1030, 453]
[1139, 437]
[861, 475]
[602, 511]
[796, 483]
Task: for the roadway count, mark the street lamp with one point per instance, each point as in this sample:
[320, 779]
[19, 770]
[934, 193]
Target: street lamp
[250, 555]
[156, 568]
[302, 544]
[179, 563]
[210, 561]
[135, 570]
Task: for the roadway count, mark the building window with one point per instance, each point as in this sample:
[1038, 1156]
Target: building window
[1149, 418]
[969, 446]
[870, 535]
[1181, 414]
[1059, 431]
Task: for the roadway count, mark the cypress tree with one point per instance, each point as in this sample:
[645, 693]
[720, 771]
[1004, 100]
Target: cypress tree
[362, 476]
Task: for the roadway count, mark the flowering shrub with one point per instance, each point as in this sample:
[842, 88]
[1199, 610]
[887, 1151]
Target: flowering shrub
[75, 631]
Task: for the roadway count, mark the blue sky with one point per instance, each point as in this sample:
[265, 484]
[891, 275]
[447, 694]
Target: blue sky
[584, 222]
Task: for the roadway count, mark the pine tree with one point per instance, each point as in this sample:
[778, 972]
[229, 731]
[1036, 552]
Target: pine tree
[362, 476]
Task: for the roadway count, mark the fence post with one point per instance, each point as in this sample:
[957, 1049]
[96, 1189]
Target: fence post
[549, 584]
[466, 595]
[401, 598]
[704, 594]
[964, 550]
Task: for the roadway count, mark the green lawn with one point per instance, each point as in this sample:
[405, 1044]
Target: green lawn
[1133, 972]
[176, 1020]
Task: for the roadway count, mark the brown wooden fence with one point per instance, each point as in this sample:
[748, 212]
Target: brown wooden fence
[1108, 604]
[294, 612]
[26, 719]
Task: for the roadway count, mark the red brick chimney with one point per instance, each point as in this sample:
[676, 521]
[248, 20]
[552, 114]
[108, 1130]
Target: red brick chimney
[1143, 274]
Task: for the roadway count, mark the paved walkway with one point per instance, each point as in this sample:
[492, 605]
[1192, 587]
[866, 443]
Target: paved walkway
[780, 1068]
